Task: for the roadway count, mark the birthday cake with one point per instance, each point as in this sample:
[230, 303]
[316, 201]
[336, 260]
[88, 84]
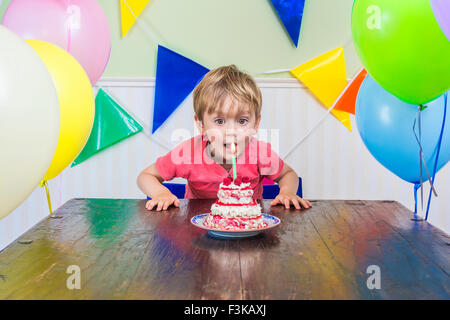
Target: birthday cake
[235, 209]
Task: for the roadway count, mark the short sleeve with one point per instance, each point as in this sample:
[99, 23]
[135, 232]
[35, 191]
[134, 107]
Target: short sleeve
[173, 164]
[270, 164]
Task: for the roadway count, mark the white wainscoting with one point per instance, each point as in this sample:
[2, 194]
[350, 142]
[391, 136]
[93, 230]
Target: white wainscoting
[333, 162]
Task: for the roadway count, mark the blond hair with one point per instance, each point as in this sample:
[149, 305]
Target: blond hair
[223, 82]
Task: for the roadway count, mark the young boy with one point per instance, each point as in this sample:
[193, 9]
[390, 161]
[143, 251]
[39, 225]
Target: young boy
[227, 105]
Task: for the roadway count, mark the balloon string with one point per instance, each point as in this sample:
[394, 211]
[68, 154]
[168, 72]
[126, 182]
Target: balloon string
[419, 116]
[438, 146]
[68, 37]
[416, 187]
[69, 32]
[60, 190]
[415, 216]
[421, 156]
[44, 184]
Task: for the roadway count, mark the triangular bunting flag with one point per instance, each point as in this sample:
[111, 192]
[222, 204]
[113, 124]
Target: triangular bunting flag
[112, 124]
[128, 10]
[290, 13]
[176, 77]
[347, 100]
[326, 77]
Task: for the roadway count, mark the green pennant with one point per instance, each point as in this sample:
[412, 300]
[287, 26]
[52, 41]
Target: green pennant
[112, 124]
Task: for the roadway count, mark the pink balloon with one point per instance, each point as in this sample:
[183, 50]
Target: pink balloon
[78, 26]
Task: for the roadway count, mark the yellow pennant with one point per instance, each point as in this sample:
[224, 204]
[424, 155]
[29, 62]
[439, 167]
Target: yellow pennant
[129, 11]
[326, 77]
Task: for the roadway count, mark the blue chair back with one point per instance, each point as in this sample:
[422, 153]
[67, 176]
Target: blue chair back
[178, 189]
[270, 191]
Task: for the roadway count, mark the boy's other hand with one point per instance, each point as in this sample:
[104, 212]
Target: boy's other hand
[287, 198]
[162, 202]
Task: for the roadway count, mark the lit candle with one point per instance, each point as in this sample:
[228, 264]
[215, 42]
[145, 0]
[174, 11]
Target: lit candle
[233, 150]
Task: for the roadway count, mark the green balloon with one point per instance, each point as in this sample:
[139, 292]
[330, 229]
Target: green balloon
[402, 47]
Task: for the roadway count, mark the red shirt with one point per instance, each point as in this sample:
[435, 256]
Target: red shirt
[190, 160]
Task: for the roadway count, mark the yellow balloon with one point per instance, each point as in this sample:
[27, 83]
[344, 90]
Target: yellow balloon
[76, 103]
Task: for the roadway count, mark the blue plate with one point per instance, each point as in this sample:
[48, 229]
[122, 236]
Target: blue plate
[217, 233]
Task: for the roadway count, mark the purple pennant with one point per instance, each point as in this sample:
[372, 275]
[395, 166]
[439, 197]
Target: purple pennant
[290, 13]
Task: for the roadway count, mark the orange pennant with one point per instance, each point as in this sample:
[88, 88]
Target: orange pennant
[347, 100]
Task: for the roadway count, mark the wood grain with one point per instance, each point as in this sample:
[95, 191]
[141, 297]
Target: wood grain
[127, 252]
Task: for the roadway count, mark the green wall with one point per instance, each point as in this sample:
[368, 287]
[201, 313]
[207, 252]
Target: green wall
[247, 33]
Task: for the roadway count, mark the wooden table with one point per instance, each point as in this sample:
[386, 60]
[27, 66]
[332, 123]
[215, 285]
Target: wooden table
[126, 252]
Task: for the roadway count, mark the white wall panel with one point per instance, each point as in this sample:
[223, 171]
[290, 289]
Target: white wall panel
[333, 162]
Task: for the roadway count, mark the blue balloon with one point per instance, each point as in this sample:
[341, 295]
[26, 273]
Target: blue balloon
[385, 125]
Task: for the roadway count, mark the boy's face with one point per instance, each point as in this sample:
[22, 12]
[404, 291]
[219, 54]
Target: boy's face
[226, 126]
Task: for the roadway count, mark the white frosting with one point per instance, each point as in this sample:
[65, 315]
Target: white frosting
[235, 196]
[234, 211]
[233, 186]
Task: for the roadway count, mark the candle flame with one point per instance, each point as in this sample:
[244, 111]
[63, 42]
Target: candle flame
[233, 148]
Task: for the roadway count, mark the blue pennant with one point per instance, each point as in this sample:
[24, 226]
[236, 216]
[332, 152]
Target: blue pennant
[176, 77]
[290, 13]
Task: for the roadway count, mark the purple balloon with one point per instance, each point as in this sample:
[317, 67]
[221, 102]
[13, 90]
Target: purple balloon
[441, 10]
[78, 26]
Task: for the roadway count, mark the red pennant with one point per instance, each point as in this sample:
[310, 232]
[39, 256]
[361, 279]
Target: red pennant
[347, 100]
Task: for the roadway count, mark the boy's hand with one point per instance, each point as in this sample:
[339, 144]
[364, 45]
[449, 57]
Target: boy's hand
[162, 201]
[286, 199]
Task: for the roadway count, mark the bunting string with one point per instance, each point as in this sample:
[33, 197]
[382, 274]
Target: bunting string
[144, 26]
[145, 129]
[276, 71]
[156, 40]
[314, 127]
